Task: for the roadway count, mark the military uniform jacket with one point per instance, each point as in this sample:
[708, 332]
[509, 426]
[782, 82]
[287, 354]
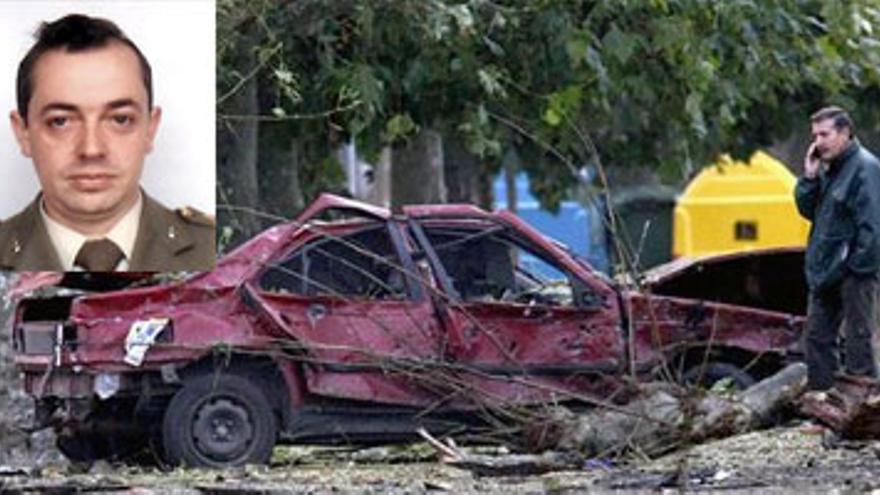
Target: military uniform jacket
[167, 240]
[843, 205]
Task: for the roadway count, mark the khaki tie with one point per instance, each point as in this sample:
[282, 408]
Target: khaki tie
[100, 255]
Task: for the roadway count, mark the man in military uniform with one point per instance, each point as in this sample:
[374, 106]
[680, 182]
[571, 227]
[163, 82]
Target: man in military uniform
[165, 240]
[86, 118]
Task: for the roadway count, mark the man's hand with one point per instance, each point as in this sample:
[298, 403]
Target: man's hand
[812, 162]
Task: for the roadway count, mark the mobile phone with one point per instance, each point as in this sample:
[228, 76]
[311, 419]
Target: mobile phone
[815, 154]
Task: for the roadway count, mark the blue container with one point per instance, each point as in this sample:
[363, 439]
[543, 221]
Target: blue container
[579, 226]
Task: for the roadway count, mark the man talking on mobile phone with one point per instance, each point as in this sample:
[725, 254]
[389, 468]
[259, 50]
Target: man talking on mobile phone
[839, 193]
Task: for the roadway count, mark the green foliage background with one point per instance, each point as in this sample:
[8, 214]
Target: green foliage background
[664, 84]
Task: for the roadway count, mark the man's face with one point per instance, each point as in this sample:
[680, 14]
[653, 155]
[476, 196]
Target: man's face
[830, 141]
[88, 130]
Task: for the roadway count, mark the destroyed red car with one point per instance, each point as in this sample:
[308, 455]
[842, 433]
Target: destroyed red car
[360, 327]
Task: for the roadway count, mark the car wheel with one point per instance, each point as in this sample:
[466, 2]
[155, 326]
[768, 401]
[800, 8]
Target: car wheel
[219, 420]
[712, 373]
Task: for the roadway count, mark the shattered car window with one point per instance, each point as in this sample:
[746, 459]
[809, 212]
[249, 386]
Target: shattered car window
[360, 265]
[489, 265]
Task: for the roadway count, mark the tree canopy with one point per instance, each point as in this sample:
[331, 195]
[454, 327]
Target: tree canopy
[665, 84]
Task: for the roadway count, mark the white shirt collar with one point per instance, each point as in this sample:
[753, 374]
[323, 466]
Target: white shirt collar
[68, 241]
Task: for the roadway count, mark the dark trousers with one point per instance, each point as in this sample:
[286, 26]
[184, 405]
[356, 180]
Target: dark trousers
[854, 305]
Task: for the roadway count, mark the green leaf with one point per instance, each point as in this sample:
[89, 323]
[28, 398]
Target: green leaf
[661, 5]
[552, 117]
[619, 44]
[494, 47]
[399, 127]
[464, 19]
[828, 48]
[284, 76]
[490, 81]
[566, 101]
[576, 49]
[594, 60]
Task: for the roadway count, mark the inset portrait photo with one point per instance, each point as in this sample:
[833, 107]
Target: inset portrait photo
[107, 151]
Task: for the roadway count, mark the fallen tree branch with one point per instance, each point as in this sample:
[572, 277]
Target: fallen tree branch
[691, 419]
[851, 408]
[665, 418]
[513, 464]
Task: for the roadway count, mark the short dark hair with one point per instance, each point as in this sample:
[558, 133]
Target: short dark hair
[839, 116]
[73, 33]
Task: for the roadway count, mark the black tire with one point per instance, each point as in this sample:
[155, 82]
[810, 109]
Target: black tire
[713, 372]
[219, 421]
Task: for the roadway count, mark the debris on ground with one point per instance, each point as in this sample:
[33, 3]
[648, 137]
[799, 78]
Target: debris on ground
[851, 408]
[668, 416]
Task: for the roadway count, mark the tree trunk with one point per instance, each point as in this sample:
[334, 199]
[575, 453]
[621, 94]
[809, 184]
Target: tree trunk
[791, 151]
[510, 185]
[237, 181]
[417, 170]
[280, 158]
[290, 174]
[465, 179]
[380, 194]
[665, 418]
[291, 196]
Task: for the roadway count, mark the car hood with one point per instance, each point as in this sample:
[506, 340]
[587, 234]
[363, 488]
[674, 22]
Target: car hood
[771, 279]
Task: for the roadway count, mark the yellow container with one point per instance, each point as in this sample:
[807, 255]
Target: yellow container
[736, 206]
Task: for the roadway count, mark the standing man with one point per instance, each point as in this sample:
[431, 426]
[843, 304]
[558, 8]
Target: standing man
[86, 118]
[839, 193]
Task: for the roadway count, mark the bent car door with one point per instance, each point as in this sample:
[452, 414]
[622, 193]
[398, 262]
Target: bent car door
[525, 325]
[358, 316]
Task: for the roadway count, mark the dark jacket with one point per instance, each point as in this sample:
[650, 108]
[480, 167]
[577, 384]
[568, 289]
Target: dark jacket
[843, 204]
[167, 240]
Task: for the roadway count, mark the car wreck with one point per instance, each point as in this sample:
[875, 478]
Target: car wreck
[767, 278]
[355, 323]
